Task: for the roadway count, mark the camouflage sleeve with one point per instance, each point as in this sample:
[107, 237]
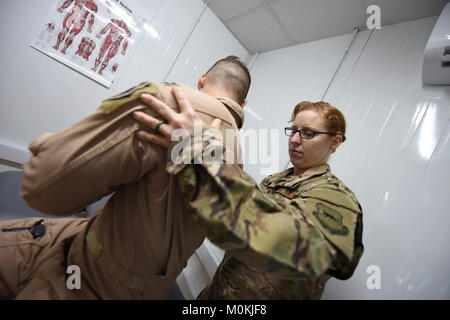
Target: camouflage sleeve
[275, 235]
[337, 217]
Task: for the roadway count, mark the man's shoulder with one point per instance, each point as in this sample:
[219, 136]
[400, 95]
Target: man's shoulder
[161, 90]
[129, 95]
[203, 103]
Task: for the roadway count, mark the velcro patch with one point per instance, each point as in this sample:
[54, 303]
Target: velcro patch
[170, 84]
[111, 104]
[330, 219]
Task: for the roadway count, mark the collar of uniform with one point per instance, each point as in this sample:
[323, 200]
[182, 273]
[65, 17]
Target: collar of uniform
[236, 110]
[289, 180]
[319, 170]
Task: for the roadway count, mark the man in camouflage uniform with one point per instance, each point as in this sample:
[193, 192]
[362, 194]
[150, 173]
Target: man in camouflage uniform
[283, 239]
[134, 247]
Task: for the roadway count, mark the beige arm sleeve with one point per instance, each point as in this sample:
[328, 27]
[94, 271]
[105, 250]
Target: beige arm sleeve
[77, 166]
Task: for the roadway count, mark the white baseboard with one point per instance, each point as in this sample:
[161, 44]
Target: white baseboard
[13, 152]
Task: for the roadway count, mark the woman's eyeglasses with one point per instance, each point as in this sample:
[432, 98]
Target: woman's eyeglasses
[304, 133]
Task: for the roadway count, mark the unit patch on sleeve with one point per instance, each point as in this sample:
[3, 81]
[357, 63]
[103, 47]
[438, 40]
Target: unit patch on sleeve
[330, 219]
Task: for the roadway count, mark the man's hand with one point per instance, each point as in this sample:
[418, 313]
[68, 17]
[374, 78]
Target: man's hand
[183, 120]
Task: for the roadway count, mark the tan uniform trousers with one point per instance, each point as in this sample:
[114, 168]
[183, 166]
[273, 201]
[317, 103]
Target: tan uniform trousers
[135, 246]
[21, 254]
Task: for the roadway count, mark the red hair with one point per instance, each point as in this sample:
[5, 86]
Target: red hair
[334, 119]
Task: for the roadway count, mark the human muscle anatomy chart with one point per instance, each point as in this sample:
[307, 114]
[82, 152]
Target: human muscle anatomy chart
[76, 31]
[85, 48]
[75, 20]
[118, 32]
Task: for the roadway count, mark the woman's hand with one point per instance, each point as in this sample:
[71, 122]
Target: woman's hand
[186, 119]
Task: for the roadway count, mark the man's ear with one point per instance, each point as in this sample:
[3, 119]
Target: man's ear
[244, 103]
[201, 81]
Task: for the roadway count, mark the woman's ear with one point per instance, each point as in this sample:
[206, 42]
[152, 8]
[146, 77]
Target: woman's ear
[335, 142]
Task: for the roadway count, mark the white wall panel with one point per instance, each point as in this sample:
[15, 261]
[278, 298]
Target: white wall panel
[37, 94]
[396, 161]
[165, 36]
[7, 168]
[209, 42]
[281, 79]
[40, 95]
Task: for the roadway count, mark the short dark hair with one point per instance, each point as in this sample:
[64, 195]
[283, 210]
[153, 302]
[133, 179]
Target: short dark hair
[231, 74]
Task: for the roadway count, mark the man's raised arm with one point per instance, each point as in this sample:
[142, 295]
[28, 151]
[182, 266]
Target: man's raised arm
[77, 166]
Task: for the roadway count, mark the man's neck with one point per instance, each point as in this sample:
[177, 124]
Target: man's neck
[217, 92]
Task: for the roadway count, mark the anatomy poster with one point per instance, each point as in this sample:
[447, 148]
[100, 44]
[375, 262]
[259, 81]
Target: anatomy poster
[94, 37]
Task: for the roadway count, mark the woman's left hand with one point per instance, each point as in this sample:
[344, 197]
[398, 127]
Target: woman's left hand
[185, 119]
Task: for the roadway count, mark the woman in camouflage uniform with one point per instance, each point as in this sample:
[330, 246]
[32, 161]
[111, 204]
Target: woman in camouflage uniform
[286, 237]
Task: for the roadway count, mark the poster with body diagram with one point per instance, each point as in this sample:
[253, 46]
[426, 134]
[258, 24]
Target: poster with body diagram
[93, 37]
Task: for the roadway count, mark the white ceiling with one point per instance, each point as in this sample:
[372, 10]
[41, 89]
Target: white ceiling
[264, 25]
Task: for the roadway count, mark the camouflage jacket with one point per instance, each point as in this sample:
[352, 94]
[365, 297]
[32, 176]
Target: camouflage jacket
[283, 238]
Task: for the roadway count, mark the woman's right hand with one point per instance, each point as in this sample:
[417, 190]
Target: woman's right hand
[185, 119]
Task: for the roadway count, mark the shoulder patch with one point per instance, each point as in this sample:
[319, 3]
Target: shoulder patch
[130, 91]
[111, 104]
[330, 219]
[170, 84]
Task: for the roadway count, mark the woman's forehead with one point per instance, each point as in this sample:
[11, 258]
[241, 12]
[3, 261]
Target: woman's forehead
[309, 118]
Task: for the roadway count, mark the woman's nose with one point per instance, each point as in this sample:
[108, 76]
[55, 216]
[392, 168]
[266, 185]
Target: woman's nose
[296, 138]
